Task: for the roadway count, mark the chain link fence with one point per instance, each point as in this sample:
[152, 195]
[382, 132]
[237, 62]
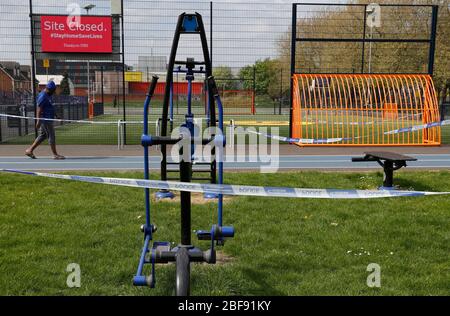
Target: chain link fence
[250, 51]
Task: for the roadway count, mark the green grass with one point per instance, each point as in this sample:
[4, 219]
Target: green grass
[281, 246]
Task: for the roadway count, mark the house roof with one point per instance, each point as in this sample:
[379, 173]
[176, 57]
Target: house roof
[43, 79]
[12, 69]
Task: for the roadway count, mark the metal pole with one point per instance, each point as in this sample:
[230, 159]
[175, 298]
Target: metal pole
[281, 91]
[370, 50]
[434, 17]
[388, 181]
[33, 65]
[117, 92]
[211, 32]
[88, 83]
[364, 38]
[254, 88]
[123, 74]
[88, 79]
[102, 91]
[185, 198]
[293, 43]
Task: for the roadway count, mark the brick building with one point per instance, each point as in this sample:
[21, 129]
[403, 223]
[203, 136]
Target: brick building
[14, 78]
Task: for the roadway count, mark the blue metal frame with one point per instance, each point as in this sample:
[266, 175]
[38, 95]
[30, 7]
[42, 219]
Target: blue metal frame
[218, 232]
[171, 106]
[140, 279]
[161, 251]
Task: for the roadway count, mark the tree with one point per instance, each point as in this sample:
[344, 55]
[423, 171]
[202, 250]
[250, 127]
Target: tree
[397, 22]
[224, 78]
[267, 74]
[64, 85]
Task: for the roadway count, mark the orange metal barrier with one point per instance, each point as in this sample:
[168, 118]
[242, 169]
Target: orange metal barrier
[390, 111]
[91, 110]
[362, 107]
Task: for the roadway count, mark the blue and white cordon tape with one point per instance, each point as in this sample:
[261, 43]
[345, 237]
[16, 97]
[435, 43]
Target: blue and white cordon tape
[239, 190]
[340, 139]
[302, 140]
[418, 127]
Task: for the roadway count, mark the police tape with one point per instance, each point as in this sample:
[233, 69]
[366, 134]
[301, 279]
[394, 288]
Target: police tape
[55, 120]
[341, 139]
[236, 190]
[303, 140]
[73, 121]
[418, 127]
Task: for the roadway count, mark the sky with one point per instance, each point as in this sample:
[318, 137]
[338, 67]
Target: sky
[243, 31]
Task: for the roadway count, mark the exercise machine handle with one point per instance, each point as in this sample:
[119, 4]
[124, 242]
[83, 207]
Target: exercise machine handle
[212, 85]
[148, 98]
[151, 89]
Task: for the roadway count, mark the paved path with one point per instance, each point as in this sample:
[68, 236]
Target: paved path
[324, 162]
[284, 149]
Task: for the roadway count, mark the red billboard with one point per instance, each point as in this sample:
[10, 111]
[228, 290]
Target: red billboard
[85, 34]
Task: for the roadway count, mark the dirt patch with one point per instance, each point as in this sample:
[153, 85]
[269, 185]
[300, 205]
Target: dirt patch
[222, 258]
[196, 198]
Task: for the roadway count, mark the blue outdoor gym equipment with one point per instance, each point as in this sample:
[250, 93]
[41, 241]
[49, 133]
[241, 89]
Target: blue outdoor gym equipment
[155, 252]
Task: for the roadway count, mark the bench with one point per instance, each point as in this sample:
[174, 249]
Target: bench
[389, 161]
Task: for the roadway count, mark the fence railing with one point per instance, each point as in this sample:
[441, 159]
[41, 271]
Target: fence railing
[249, 42]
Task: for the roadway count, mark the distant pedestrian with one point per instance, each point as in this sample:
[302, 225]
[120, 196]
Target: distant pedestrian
[46, 130]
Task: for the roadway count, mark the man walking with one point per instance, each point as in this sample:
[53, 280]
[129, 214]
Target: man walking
[45, 127]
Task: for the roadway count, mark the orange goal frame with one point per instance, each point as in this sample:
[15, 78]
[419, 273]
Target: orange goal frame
[363, 108]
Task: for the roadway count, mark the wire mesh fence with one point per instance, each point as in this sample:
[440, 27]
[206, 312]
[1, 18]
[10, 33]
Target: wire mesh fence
[250, 51]
[359, 38]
